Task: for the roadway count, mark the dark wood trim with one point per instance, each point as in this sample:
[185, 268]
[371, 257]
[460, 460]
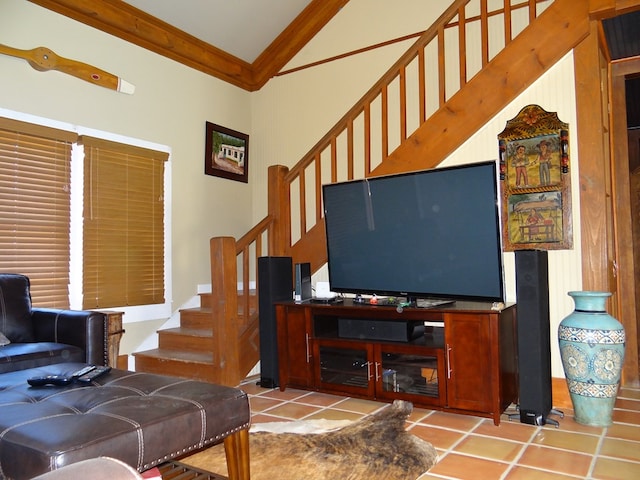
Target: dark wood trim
[593, 157]
[305, 26]
[604, 232]
[594, 169]
[627, 309]
[120, 19]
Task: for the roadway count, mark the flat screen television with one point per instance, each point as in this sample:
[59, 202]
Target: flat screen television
[432, 234]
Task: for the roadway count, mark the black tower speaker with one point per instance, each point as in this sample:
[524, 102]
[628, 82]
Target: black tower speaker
[534, 339]
[275, 283]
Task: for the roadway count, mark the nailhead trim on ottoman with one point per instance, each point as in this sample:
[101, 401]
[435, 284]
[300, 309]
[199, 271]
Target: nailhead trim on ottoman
[142, 419]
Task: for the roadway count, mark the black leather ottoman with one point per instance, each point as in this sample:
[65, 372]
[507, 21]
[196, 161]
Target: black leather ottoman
[139, 418]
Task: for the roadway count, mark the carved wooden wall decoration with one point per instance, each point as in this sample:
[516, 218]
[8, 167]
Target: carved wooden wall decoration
[535, 182]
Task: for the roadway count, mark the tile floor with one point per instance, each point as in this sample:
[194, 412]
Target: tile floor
[474, 448]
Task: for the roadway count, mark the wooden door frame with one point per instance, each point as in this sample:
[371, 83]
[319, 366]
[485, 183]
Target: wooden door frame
[618, 72]
[607, 260]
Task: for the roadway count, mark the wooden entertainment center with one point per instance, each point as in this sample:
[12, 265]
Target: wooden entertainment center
[460, 357]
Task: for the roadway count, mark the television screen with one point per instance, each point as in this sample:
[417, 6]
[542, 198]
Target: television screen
[429, 234]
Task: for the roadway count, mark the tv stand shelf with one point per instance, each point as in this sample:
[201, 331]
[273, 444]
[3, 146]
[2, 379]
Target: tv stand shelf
[459, 357]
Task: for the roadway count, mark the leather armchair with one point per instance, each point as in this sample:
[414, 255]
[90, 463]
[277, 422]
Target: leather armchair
[44, 336]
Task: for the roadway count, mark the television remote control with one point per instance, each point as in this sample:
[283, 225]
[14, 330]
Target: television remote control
[82, 371]
[93, 374]
[56, 380]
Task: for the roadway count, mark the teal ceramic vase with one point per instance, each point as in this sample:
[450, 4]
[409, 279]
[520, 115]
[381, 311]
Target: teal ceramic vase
[592, 345]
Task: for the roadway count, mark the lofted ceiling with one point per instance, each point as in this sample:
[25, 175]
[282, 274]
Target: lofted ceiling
[243, 42]
[228, 25]
[247, 42]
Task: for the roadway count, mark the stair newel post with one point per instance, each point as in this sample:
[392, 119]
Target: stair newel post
[224, 310]
[280, 211]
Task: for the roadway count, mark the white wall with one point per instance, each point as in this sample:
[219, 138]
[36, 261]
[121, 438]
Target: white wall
[170, 106]
[554, 92]
[284, 119]
[292, 112]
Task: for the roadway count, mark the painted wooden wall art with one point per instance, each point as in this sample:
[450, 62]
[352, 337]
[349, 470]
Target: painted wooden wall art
[535, 182]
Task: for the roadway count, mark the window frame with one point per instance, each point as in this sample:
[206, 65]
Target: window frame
[138, 312]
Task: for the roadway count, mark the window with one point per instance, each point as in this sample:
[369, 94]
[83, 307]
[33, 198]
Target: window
[120, 224]
[123, 225]
[35, 208]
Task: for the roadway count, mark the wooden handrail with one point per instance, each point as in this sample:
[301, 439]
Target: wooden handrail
[339, 151]
[251, 236]
[454, 17]
[390, 136]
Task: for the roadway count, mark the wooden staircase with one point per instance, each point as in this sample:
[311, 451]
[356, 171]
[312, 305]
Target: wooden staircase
[187, 348]
[218, 342]
[187, 351]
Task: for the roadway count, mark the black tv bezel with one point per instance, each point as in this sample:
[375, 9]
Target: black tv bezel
[412, 296]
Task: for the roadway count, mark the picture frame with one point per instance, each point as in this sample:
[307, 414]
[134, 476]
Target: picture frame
[535, 182]
[226, 153]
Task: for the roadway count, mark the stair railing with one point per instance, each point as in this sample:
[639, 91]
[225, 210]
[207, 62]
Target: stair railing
[416, 86]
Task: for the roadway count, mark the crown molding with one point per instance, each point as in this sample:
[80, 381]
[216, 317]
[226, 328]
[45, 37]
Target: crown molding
[124, 21]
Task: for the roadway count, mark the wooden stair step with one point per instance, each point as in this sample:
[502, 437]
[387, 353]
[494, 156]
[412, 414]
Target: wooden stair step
[177, 363]
[177, 355]
[197, 317]
[189, 339]
[206, 299]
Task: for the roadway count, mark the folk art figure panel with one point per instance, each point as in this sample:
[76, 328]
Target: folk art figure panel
[535, 182]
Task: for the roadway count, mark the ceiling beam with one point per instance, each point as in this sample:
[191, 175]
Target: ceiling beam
[601, 9]
[124, 21]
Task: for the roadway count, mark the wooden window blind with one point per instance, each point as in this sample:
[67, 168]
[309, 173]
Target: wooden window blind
[35, 164]
[123, 225]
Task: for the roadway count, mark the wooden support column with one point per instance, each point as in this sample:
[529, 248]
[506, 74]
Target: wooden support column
[593, 157]
[280, 211]
[224, 306]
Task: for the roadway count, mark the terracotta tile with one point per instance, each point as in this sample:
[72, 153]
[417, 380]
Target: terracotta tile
[253, 389]
[577, 442]
[468, 468]
[628, 404]
[259, 404]
[626, 416]
[440, 438]
[555, 460]
[420, 415]
[626, 432]
[288, 394]
[519, 432]
[492, 448]
[463, 423]
[265, 418]
[292, 410]
[629, 393]
[569, 424]
[526, 473]
[610, 469]
[359, 405]
[428, 476]
[468, 445]
[320, 399]
[626, 450]
[331, 414]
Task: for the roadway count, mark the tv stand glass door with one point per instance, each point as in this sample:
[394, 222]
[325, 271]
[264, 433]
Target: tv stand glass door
[381, 370]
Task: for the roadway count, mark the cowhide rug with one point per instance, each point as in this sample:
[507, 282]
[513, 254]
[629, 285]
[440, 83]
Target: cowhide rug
[375, 447]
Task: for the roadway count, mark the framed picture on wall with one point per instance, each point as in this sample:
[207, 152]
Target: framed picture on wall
[535, 182]
[226, 153]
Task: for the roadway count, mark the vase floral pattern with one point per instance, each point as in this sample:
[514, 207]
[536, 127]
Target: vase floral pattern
[592, 345]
